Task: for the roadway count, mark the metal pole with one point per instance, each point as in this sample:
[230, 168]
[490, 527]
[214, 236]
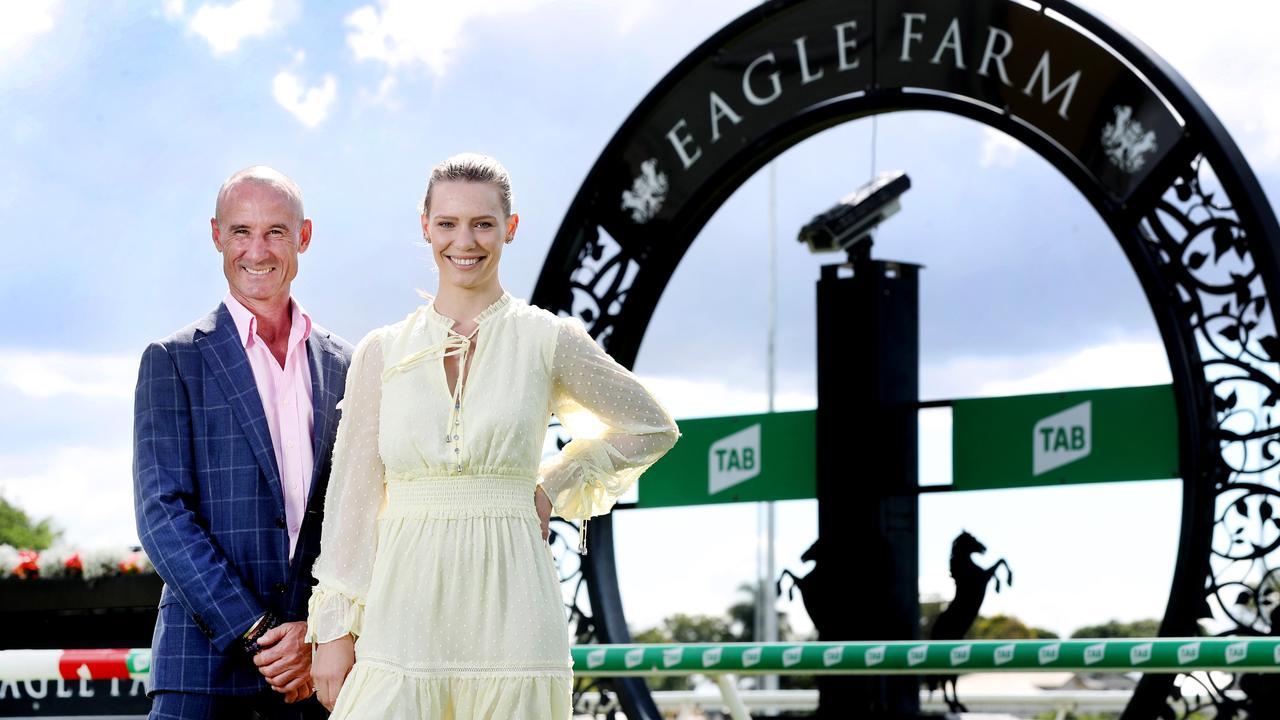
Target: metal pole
[732, 700]
[770, 599]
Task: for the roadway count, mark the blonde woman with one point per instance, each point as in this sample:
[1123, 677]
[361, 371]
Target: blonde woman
[437, 593]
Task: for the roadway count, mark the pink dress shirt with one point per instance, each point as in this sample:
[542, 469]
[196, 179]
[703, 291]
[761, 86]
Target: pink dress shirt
[286, 401]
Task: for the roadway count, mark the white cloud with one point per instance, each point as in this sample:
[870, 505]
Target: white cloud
[86, 491]
[174, 9]
[998, 149]
[384, 95]
[402, 33]
[1227, 58]
[38, 374]
[1123, 364]
[310, 105]
[22, 22]
[700, 398]
[224, 27]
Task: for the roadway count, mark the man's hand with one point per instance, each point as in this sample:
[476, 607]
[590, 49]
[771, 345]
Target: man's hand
[285, 661]
[333, 661]
[543, 504]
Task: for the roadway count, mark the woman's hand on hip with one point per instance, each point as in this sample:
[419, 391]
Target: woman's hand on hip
[330, 667]
[543, 505]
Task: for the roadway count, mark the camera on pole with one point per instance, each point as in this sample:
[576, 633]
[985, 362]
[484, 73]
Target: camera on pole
[851, 222]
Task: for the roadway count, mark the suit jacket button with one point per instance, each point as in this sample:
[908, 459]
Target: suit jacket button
[280, 588]
[280, 523]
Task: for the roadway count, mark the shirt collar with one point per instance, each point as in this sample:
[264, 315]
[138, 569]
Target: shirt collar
[247, 324]
[496, 307]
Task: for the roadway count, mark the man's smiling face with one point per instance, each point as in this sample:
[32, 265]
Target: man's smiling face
[260, 232]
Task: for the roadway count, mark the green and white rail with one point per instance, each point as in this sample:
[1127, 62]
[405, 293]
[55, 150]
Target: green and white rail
[722, 661]
[929, 657]
[1258, 654]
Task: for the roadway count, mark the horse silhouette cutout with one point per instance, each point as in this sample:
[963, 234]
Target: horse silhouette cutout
[814, 602]
[971, 589]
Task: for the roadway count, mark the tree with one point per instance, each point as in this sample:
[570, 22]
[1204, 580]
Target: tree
[1117, 629]
[682, 628]
[998, 627]
[17, 528]
[742, 618]
[1005, 627]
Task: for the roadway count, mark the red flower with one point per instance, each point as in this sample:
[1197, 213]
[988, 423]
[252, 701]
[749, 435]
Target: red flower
[28, 567]
[131, 564]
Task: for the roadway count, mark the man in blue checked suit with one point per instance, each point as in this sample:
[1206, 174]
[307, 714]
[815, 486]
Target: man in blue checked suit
[233, 429]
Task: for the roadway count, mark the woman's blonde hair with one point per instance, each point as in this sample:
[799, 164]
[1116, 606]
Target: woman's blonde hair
[471, 167]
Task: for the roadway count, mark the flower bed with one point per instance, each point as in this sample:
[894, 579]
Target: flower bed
[64, 563]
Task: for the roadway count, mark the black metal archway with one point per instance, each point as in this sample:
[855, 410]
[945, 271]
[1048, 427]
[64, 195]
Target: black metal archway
[1108, 113]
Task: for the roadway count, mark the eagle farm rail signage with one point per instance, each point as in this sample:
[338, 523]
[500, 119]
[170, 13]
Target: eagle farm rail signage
[1037, 69]
[1068, 438]
[741, 458]
[1065, 438]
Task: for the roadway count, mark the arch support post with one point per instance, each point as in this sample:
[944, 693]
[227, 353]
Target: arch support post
[867, 464]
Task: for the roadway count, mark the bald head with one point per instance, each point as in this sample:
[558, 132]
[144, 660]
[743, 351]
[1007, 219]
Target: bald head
[263, 175]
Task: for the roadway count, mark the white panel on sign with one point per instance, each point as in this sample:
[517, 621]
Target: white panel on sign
[734, 459]
[1062, 438]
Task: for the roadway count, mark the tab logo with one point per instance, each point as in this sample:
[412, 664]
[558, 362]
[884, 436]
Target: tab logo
[1095, 653]
[1004, 654]
[875, 655]
[791, 656]
[833, 656]
[634, 657]
[750, 657]
[1139, 654]
[917, 655]
[595, 658]
[1188, 653]
[1237, 652]
[960, 655]
[711, 657]
[734, 459]
[672, 656]
[1049, 653]
[1062, 438]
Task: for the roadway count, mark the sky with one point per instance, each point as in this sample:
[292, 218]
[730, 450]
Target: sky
[118, 121]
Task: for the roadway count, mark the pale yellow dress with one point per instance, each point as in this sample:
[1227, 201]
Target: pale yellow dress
[431, 550]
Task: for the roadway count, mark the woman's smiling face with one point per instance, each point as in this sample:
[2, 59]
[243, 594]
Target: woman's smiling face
[467, 229]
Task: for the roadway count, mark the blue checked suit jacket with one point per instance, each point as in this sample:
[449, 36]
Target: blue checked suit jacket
[210, 505]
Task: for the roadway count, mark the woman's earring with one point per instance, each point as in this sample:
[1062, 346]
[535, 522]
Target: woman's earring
[509, 239]
[427, 238]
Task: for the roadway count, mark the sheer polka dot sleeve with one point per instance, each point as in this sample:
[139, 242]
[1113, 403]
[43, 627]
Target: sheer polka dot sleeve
[618, 428]
[354, 498]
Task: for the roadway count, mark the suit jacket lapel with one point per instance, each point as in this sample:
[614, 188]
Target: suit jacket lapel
[326, 372]
[225, 356]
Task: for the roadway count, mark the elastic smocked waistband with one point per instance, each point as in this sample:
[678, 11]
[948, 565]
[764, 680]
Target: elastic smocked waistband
[461, 497]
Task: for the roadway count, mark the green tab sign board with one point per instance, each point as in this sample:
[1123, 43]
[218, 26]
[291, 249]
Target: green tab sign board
[743, 458]
[1065, 438]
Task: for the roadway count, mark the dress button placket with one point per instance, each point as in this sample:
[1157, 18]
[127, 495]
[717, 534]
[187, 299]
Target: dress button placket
[457, 413]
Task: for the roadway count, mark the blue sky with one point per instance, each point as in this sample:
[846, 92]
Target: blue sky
[118, 120]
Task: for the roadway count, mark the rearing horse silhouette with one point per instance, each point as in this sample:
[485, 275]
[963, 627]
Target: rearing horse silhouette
[817, 605]
[971, 589]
